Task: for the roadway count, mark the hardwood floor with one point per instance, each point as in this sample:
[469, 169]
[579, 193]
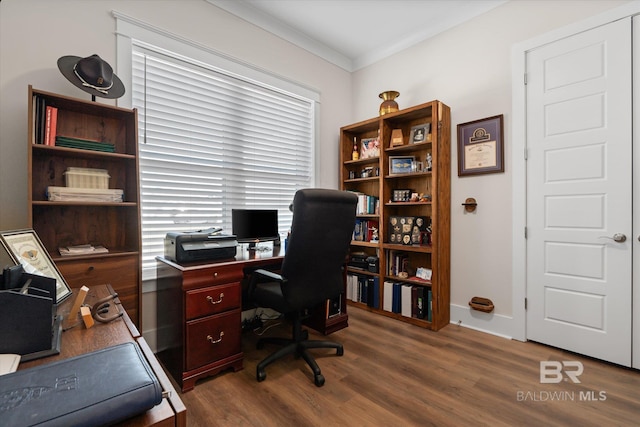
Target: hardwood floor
[396, 374]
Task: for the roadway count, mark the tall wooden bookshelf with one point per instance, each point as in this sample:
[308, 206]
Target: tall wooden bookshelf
[428, 246]
[114, 225]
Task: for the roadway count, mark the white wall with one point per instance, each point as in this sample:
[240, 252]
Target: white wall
[469, 69]
[35, 33]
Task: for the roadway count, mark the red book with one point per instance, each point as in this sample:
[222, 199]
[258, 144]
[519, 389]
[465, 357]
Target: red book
[47, 125]
[54, 126]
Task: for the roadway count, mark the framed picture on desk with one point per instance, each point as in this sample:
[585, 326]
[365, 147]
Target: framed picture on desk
[25, 247]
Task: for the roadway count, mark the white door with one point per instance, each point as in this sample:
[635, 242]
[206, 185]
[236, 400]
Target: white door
[579, 158]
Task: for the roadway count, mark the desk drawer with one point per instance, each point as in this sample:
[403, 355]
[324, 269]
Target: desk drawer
[212, 300]
[212, 275]
[213, 338]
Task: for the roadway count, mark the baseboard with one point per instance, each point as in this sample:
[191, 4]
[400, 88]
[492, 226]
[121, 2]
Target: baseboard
[490, 323]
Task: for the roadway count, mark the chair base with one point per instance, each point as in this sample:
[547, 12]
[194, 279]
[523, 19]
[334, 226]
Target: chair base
[298, 345]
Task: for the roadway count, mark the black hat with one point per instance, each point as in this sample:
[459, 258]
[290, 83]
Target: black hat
[91, 74]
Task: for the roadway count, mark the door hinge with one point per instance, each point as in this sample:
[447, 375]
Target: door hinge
[525, 232]
[525, 303]
[525, 79]
[526, 154]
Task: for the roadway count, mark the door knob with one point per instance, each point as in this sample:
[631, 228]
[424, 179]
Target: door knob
[618, 237]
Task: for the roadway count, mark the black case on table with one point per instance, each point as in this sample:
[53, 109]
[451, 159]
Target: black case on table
[95, 389]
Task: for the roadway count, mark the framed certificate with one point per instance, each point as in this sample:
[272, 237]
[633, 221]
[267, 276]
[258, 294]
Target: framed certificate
[481, 146]
[25, 247]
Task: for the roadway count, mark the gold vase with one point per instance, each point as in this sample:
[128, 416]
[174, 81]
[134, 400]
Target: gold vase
[389, 105]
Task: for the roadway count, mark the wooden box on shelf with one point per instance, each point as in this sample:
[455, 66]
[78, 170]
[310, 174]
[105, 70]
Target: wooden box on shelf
[411, 181]
[113, 134]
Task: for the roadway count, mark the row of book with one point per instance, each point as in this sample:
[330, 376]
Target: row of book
[397, 262]
[367, 204]
[364, 289]
[407, 299]
[366, 230]
[45, 130]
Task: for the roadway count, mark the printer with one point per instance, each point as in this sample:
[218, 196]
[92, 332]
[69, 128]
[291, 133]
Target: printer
[201, 245]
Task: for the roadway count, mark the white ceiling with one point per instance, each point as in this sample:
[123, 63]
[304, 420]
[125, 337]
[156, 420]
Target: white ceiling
[355, 33]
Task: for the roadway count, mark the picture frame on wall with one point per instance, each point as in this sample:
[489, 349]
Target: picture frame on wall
[25, 248]
[481, 146]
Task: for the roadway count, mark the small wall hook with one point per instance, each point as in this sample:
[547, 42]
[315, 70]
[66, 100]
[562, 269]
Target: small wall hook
[470, 204]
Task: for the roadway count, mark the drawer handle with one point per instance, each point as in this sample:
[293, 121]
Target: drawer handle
[210, 299]
[212, 341]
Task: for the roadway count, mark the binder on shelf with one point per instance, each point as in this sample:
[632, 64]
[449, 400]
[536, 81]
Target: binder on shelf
[421, 302]
[373, 292]
[397, 298]
[387, 296]
[405, 300]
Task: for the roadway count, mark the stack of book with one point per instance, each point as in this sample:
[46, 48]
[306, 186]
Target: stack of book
[83, 250]
[72, 194]
[84, 144]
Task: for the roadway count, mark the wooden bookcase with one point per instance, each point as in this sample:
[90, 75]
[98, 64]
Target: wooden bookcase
[372, 176]
[115, 225]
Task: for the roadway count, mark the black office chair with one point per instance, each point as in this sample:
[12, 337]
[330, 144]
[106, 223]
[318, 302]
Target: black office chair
[321, 231]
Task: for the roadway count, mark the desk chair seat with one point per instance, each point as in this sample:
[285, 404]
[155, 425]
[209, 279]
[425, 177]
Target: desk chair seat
[321, 230]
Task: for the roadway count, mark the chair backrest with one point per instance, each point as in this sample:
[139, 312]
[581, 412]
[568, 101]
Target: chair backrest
[321, 231]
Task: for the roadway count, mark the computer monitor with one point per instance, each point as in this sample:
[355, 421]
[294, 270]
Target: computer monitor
[255, 225]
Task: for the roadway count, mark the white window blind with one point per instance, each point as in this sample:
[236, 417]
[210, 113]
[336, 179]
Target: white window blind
[211, 141]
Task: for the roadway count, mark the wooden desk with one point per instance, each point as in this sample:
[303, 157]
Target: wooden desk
[79, 340]
[199, 313]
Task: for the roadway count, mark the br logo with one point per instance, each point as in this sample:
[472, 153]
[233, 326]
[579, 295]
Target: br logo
[553, 372]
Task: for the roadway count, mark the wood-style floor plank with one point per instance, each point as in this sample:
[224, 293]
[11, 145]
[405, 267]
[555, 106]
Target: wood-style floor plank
[396, 374]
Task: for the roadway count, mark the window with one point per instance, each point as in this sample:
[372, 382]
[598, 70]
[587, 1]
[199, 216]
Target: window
[211, 141]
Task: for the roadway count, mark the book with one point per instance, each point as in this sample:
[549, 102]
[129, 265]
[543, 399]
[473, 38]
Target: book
[51, 122]
[396, 305]
[373, 292]
[387, 296]
[405, 300]
[54, 127]
[429, 305]
[421, 298]
[82, 250]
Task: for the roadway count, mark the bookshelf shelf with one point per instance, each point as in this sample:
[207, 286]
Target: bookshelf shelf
[114, 225]
[433, 247]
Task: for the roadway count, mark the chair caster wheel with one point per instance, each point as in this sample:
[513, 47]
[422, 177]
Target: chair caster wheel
[318, 380]
[261, 375]
[340, 351]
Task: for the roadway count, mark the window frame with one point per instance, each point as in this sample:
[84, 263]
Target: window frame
[130, 32]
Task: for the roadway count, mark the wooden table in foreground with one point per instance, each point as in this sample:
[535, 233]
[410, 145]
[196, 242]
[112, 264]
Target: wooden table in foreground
[79, 340]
